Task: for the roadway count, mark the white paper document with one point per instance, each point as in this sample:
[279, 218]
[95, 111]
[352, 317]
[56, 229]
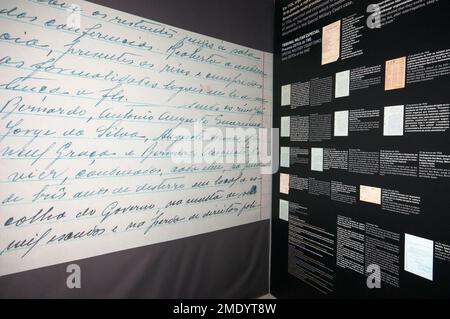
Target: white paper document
[341, 123]
[342, 85]
[317, 159]
[284, 210]
[286, 95]
[393, 120]
[419, 256]
[285, 126]
[284, 157]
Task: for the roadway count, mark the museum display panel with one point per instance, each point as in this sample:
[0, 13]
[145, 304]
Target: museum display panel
[361, 93]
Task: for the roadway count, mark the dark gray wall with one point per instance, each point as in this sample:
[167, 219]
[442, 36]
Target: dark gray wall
[246, 22]
[231, 263]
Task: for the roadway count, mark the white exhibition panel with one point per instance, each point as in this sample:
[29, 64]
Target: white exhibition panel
[97, 131]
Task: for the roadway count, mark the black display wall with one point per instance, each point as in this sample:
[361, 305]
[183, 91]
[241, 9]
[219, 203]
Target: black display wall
[366, 188]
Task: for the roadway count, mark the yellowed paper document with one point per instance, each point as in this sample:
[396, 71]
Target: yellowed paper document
[395, 74]
[370, 194]
[284, 183]
[331, 42]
